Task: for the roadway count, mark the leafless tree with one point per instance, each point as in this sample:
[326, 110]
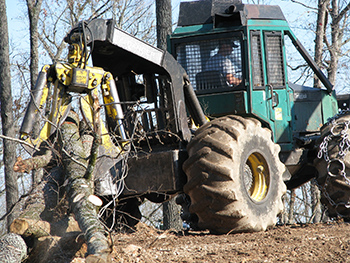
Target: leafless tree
[57, 17]
[331, 23]
[34, 8]
[171, 211]
[9, 147]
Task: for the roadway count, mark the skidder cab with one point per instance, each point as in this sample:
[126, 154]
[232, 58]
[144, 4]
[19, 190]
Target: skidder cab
[218, 40]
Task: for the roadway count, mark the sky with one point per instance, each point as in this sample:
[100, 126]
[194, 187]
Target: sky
[17, 26]
[16, 9]
[293, 12]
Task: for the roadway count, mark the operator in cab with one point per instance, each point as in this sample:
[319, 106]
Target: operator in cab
[223, 64]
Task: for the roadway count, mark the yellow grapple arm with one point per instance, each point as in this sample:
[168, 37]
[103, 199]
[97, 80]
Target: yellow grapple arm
[67, 78]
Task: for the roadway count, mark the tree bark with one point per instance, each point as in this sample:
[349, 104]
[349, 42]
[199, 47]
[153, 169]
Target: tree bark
[7, 119]
[320, 35]
[13, 248]
[164, 23]
[291, 207]
[80, 190]
[34, 8]
[50, 232]
[171, 211]
[315, 202]
[171, 215]
[336, 36]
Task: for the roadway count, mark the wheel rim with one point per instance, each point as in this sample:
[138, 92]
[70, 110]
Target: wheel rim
[257, 177]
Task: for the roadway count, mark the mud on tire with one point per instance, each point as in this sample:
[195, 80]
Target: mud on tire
[335, 188]
[234, 176]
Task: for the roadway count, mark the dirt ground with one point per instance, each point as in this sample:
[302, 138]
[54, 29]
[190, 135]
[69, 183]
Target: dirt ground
[326, 242]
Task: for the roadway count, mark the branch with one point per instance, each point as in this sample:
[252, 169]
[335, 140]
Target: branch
[46, 46]
[307, 6]
[19, 141]
[346, 41]
[341, 14]
[297, 67]
[97, 14]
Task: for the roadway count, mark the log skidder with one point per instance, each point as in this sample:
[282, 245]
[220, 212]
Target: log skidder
[333, 165]
[234, 176]
[235, 171]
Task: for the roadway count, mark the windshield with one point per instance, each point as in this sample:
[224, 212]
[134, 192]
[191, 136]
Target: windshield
[212, 65]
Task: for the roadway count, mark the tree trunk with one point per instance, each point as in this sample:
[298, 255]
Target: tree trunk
[8, 128]
[291, 207]
[171, 215]
[337, 30]
[315, 202]
[319, 44]
[320, 34]
[336, 35]
[31, 222]
[171, 211]
[34, 8]
[338, 27]
[164, 23]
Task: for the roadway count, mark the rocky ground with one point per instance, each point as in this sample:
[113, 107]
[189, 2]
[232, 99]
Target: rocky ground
[326, 242]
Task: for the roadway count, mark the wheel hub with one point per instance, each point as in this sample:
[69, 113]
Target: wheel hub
[257, 177]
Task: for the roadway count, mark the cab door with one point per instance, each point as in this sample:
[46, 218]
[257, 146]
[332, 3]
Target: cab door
[270, 96]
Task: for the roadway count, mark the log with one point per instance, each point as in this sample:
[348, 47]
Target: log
[37, 215]
[29, 227]
[29, 223]
[13, 248]
[58, 249]
[38, 219]
[79, 189]
[40, 159]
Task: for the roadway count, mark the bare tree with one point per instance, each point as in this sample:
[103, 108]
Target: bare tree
[332, 35]
[34, 8]
[320, 34]
[9, 152]
[339, 18]
[164, 18]
[57, 17]
[135, 17]
[171, 211]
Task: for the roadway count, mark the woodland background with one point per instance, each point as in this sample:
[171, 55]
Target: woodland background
[37, 39]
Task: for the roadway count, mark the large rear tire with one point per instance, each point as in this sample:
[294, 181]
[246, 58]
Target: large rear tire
[234, 176]
[334, 166]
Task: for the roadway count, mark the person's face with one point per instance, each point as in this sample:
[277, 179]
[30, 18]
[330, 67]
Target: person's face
[226, 49]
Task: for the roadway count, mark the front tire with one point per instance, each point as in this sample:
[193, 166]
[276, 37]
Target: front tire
[234, 176]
